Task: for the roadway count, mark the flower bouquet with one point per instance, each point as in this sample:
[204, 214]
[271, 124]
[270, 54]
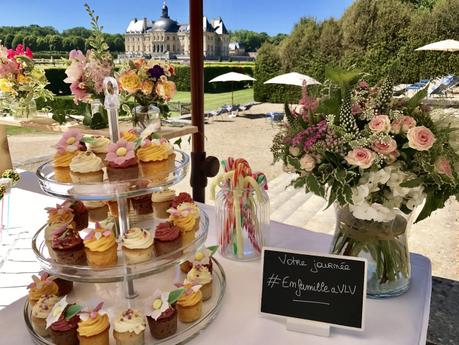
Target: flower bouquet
[147, 83]
[21, 81]
[377, 162]
[86, 73]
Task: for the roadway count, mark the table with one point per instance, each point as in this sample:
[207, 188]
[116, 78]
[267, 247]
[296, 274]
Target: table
[401, 320]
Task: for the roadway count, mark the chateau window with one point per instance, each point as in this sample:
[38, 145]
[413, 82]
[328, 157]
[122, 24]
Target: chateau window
[168, 47]
[167, 38]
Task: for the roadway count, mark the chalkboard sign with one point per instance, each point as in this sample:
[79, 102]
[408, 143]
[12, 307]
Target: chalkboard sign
[316, 287]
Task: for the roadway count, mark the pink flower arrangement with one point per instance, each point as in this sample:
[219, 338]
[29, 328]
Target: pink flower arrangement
[121, 154]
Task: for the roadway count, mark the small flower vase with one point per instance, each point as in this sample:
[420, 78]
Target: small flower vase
[383, 244]
[242, 218]
[24, 108]
[146, 115]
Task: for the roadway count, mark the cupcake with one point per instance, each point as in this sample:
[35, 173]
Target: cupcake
[80, 213]
[137, 245]
[162, 319]
[68, 247]
[189, 305]
[121, 161]
[156, 159]
[97, 210]
[109, 224]
[41, 286]
[93, 329]
[40, 312]
[186, 217]
[86, 167]
[168, 238]
[62, 323]
[161, 202]
[200, 275]
[142, 204]
[98, 145]
[202, 257]
[101, 247]
[129, 328]
[67, 148]
[180, 199]
[64, 286]
[130, 135]
[59, 217]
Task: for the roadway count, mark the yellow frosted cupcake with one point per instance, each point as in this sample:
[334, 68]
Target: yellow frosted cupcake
[201, 275]
[67, 148]
[186, 218]
[86, 167]
[189, 305]
[130, 135]
[156, 159]
[137, 245]
[93, 329]
[41, 286]
[101, 247]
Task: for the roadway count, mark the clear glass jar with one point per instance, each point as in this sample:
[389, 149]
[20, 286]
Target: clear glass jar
[24, 108]
[144, 116]
[383, 244]
[242, 219]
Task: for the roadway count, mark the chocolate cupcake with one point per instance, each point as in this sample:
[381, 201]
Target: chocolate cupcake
[168, 238]
[162, 319]
[62, 323]
[142, 204]
[68, 247]
[64, 286]
[80, 214]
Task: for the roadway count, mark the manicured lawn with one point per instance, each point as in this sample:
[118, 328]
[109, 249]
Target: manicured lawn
[13, 130]
[214, 101]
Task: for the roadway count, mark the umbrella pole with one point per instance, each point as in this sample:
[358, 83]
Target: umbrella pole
[201, 167]
[232, 94]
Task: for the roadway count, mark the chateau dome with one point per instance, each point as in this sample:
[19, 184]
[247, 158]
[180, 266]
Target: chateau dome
[164, 23]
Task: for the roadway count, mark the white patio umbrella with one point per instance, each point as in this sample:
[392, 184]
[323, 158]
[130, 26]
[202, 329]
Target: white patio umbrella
[292, 78]
[232, 77]
[444, 46]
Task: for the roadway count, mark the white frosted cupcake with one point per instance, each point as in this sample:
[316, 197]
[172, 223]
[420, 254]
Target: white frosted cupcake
[86, 167]
[98, 210]
[201, 275]
[40, 312]
[99, 145]
[137, 245]
[161, 202]
[129, 328]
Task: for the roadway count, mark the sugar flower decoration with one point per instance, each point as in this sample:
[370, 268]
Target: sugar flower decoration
[160, 304]
[70, 141]
[41, 281]
[202, 257]
[121, 152]
[92, 312]
[56, 312]
[189, 287]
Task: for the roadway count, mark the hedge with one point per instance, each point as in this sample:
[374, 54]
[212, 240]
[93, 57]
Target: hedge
[182, 78]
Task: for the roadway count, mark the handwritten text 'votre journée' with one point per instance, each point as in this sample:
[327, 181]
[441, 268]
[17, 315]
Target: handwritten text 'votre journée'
[316, 266]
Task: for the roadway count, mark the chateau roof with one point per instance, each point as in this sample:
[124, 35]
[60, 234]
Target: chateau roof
[139, 26]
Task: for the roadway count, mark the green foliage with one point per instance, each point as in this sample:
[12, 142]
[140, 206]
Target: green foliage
[96, 40]
[250, 39]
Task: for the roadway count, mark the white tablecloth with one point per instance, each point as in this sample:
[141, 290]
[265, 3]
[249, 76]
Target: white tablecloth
[402, 320]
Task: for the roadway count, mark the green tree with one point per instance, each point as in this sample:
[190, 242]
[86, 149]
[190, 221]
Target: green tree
[30, 41]
[18, 39]
[42, 44]
[276, 40]
[78, 31]
[8, 40]
[250, 39]
[54, 42]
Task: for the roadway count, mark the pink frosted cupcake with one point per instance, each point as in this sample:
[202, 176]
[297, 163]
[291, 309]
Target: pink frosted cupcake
[121, 161]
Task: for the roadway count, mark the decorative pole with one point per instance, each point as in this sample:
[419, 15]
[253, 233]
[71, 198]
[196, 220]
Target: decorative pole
[201, 167]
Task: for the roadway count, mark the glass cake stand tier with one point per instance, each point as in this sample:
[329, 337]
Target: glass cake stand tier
[112, 295]
[122, 271]
[161, 176]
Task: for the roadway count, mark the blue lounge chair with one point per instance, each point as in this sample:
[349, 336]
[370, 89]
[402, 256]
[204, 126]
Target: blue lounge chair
[444, 86]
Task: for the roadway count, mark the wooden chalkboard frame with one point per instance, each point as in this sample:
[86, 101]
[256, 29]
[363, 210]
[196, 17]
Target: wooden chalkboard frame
[306, 320]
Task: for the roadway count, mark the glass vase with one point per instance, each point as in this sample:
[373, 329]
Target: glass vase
[146, 115]
[24, 108]
[242, 218]
[383, 244]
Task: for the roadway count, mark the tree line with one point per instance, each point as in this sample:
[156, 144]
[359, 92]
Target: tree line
[375, 36]
[46, 38]
[253, 40]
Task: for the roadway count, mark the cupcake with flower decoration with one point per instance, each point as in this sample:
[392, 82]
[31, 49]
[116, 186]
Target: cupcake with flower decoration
[58, 217]
[80, 213]
[67, 148]
[121, 161]
[94, 326]
[186, 216]
[101, 247]
[156, 159]
[129, 328]
[202, 257]
[200, 275]
[40, 312]
[67, 246]
[62, 323]
[130, 135]
[162, 317]
[42, 285]
[189, 305]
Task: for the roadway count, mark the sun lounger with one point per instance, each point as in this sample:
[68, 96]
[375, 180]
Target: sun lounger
[276, 118]
[445, 85]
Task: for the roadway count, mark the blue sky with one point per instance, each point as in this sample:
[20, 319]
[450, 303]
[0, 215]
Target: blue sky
[271, 16]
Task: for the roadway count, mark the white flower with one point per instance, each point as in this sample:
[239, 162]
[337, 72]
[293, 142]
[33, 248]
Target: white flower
[56, 312]
[375, 212]
[359, 194]
[307, 162]
[160, 304]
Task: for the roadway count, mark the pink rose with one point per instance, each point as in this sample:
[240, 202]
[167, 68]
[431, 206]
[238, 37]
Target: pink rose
[420, 138]
[307, 163]
[407, 123]
[380, 123]
[294, 150]
[396, 126]
[360, 157]
[442, 166]
[392, 157]
[385, 147]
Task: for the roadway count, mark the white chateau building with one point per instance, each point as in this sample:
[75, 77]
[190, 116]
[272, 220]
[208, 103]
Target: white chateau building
[165, 38]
